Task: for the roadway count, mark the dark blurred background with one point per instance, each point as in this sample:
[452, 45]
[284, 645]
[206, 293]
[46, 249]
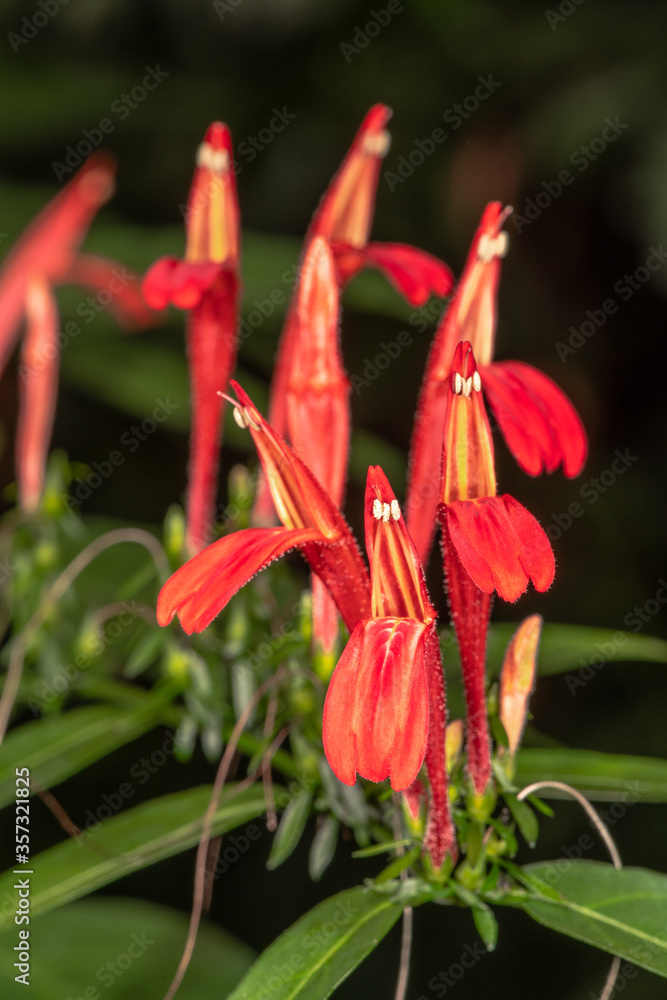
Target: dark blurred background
[578, 87]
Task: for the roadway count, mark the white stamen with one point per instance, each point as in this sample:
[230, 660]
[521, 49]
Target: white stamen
[458, 383]
[239, 417]
[377, 144]
[476, 382]
[215, 160]
[492, 246]
[395, 510]
[243, 418]
[377, 509]
[467, 386]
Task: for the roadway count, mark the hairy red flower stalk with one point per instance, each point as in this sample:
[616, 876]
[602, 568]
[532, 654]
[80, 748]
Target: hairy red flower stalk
[440, 837]
[206, 284]
[489, 543]
[538, 422]
[45, 256]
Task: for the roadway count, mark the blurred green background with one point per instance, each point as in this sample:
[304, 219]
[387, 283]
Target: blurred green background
[555, 77]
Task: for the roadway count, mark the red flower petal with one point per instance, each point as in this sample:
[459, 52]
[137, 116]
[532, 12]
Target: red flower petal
[119, 285]
[199, 590]
[501, 545]
[170, 281]
[415, 274]
[538, 421]
[376, 711]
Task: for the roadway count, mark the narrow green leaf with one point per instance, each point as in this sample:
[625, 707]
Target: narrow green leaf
[600, 776]
[487, 926]
[323, 847]
[58, 746]
[321, 949]
[127, 843]
[386, 847]
[291, 826]
[525, 819]
[98, 940]
[622, 911]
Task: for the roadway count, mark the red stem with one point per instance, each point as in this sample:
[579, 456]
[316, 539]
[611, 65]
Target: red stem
[440, 836]
[470, 610]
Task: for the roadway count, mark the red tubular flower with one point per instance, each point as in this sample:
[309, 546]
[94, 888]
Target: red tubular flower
[199, 590]
[385, 707]
[490, 543]
[47, 255]
[539, 424]
[344, 218]
[206, 283]
[345, 215]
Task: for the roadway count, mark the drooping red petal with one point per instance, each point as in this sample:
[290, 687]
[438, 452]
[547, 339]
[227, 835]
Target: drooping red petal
[38, 383]
[47, 247]
[539, 423]
[211, 346]
[376, 711]
[114, 286]
[200, 589]
[171, 281]
[501, 545]
[415, 274]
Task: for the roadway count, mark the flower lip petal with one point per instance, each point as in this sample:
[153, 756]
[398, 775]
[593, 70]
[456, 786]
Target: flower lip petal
[501, 545]
[376, 711]
[171, 281]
